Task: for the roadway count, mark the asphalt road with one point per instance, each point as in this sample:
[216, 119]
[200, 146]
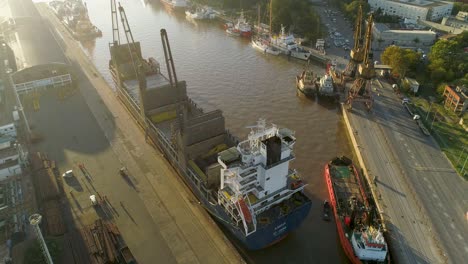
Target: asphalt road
[443, 194]
[423, 198]
[157, 215]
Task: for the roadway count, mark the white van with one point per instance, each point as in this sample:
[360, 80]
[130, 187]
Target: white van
[68, 174]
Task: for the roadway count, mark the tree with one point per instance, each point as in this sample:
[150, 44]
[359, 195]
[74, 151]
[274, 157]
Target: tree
[351, 9]
[401, 60]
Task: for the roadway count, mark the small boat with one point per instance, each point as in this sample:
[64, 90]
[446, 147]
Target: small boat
[201, 13]
[262, 45]
[306, 83]
[356, 216]
[233, 32]
[325, 86]
[243, 27]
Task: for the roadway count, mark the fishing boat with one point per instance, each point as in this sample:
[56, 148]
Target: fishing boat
[262, 45]
[175, 5]
[357, 218]
[201, 14]
[243, 27]
[305, 82]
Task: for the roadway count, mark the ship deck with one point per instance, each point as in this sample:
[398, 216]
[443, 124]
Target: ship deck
[153, 81]
[345, 187]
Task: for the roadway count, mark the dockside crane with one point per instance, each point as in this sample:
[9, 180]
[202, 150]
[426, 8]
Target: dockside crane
[356, 55]
[361, 89]
[173, 80]
[115, 24]
[137, 61]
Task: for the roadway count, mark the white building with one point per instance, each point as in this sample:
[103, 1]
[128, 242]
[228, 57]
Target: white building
[384, 36]
[414, 9]
[460, 21]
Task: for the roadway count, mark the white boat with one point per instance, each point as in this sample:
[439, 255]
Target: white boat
[201, 14]
[262, 45]
[287, 44]
[243, 27]
[325, 86]
[175, 4]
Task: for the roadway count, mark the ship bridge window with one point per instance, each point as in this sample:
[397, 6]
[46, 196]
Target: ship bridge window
[288, 139]
[268, 178]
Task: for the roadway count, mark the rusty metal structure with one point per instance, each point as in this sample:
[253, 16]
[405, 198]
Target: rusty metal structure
[356, 55]
[361, 90]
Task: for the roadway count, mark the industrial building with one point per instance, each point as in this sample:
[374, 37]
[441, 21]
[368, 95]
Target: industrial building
[414, 9]
[385, 36]
[456, 98]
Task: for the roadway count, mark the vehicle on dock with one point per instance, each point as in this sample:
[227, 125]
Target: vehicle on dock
[357, 219]
[306, 82]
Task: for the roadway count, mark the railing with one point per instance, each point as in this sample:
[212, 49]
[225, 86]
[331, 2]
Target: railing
[57, 81]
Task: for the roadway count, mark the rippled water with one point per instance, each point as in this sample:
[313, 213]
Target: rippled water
[227, 73]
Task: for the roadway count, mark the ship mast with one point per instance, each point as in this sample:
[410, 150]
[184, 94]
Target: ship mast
[271, 12]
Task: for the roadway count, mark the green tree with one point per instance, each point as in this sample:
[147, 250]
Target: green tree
[401, 60]
[458, 6]
[352, 8]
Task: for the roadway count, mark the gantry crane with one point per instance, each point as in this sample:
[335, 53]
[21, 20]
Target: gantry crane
[356, 53]
[361, 88]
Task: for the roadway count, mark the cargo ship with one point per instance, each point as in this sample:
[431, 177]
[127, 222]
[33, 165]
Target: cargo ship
[246, 186]
[357, 219]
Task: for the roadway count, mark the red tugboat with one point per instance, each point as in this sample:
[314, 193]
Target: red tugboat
[356, 216]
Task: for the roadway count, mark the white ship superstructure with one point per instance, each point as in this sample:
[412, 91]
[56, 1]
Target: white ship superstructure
[325, 85]
[287, 44]
[369, 245]
[255, 175]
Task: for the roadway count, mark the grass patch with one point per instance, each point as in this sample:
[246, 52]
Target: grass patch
[451, 137]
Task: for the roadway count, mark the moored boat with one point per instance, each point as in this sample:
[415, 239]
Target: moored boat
[357, 219]
[325, 86]
[243, 27]
[288, 46]
[263, 46]
[201, 13]
[247, 186]
[305, 82]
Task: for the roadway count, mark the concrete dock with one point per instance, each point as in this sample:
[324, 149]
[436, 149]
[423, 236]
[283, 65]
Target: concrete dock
[160, 219]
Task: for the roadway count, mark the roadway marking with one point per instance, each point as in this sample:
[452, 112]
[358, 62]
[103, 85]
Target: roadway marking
[417, 165]
[435, 196]
[452, 225]
[446, 215]
[425, 178]
[459, 237]
[430, 187]
[440, 204]
[412, 156]
[418, 168]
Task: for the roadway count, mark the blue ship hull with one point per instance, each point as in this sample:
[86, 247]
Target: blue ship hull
[266, 235]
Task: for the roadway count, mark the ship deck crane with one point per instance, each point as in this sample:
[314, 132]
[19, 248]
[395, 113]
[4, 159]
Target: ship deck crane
[137, 61]
[356, 55]
[361, 88]
[115, 24]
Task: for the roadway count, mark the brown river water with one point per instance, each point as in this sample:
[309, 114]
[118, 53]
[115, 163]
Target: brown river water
[227, 73]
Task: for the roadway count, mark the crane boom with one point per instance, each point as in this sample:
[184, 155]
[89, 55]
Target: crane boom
[126, 26]
[358, 29]
[367, 46]
[115, 23]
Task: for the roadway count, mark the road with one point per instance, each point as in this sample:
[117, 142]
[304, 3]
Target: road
[424, 199]
[157, 215]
